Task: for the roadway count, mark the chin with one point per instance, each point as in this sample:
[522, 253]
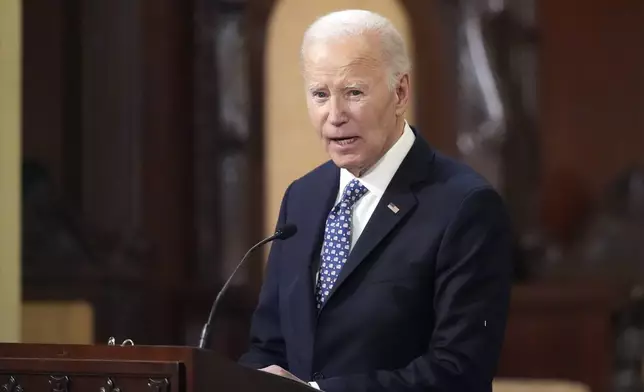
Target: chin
[349, 163]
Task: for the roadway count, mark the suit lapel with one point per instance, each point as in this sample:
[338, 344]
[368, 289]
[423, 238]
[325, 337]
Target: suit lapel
[311, 216]
[320, 202]
[396, 203]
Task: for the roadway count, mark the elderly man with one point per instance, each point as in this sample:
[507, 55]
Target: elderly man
[399, 276]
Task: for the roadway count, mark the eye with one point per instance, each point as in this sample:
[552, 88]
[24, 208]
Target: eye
[355, 93]
[319, 94]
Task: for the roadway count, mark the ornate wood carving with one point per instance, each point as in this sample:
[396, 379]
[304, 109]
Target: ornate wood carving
[110, 386]
[159, 385]
[226, 140]
[59, 384]
[11, 386]
[227, 157]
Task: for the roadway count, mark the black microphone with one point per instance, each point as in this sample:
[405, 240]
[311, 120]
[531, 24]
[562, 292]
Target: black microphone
[282, 233]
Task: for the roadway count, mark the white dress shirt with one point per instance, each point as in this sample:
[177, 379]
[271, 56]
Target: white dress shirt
[376, 180]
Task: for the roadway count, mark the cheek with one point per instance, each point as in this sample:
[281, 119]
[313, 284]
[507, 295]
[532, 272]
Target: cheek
[360, 112]
[366, 115]
[372, 120]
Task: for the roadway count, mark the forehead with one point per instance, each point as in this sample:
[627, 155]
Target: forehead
[343, 58]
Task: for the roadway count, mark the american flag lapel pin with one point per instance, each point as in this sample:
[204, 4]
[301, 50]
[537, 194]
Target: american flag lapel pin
[393, 207]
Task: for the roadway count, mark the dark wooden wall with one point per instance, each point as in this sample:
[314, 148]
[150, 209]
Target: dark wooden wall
[44, 50]
[591, 90]
[145, 183]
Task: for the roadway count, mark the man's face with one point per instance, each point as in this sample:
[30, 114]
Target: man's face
[357, 116]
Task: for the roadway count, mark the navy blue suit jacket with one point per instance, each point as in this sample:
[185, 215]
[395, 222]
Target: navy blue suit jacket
[421, 303]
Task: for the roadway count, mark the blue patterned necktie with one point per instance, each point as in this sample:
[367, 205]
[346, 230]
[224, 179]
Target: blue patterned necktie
[337, 240]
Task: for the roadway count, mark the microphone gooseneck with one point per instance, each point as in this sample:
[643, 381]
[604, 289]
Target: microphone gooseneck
[282, 233]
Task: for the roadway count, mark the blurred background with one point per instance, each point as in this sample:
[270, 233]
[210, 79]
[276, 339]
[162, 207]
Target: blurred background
[145, 145]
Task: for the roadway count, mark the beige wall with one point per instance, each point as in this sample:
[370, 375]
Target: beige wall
[58, 322]
[291, 146]
[10, 54]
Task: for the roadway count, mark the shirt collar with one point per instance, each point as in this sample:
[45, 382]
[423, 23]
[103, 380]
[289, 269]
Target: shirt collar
[377, 178]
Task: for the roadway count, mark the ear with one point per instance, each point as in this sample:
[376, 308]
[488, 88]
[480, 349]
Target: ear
[402, 95]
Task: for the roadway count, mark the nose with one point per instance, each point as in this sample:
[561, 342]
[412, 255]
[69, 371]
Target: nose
[337, 112]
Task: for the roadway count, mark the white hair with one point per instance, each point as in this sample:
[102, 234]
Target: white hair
[357, 22]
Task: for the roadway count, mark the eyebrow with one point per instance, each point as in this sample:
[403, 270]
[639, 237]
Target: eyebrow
[358, 84]
[345, 86]
[314, 87]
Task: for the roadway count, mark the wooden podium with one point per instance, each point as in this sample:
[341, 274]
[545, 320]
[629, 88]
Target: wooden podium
[73, 368]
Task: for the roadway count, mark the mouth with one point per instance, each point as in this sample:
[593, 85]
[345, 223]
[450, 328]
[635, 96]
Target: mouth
[343, 141]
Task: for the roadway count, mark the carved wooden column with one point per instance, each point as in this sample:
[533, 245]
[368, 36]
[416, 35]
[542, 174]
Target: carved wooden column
[225, 176]
[227, 164]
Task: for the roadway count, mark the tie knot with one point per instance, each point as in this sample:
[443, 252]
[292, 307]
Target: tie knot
[353, 192]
